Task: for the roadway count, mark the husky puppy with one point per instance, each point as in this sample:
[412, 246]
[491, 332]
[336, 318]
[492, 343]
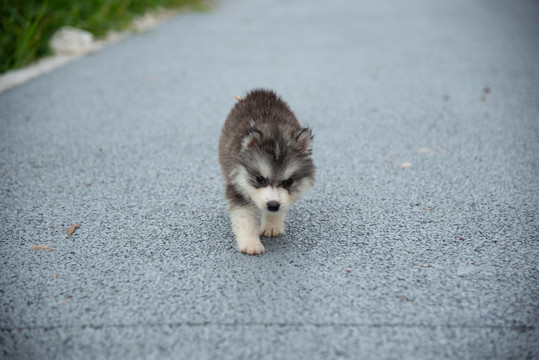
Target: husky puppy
[266, 158]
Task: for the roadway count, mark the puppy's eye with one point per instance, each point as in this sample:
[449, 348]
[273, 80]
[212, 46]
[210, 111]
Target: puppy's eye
[260, 180]
[288, 183]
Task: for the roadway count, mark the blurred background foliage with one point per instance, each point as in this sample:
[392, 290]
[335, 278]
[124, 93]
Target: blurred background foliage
[27, 25]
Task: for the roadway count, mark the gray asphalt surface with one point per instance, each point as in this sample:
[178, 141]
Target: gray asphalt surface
[420, 239]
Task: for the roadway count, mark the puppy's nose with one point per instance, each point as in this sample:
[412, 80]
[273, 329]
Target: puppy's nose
[273, 205]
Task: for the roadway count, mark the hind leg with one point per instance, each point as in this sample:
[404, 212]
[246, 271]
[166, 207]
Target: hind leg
[272, 224]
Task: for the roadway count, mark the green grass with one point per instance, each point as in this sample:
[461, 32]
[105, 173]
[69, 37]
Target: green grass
[27, 25]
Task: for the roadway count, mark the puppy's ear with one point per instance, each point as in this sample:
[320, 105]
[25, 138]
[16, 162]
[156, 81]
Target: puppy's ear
[250, 139]
[305, 139]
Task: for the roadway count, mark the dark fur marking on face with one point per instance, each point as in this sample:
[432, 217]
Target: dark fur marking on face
[235, 197]
[263, 152]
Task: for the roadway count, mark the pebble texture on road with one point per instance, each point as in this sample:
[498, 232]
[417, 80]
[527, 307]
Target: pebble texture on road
[420, 239]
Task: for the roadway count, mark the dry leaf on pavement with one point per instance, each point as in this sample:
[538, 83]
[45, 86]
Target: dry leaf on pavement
[71, 230]
[38, 247]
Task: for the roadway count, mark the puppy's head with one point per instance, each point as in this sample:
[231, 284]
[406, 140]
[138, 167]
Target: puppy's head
[275, 167]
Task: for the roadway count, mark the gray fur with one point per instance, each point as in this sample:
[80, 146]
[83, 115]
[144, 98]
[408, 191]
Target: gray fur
[261, 129]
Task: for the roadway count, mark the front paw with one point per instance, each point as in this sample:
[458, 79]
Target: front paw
[272, 224]
[272, 230]
[252, 247]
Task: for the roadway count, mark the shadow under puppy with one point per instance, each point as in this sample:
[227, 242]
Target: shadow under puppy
[266, 158]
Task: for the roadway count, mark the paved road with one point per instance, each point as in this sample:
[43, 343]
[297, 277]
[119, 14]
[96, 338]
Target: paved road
[420, 239]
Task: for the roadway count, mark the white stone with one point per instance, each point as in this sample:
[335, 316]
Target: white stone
[70, 40]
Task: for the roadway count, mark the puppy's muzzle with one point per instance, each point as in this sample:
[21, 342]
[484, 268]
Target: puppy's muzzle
[273, 205]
